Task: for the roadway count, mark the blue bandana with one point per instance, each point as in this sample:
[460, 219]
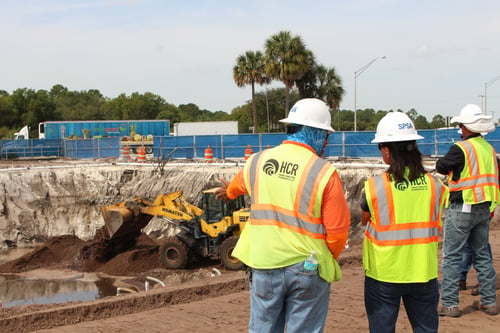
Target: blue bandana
[311, 136]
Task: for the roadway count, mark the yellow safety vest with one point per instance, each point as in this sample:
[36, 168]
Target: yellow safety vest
[286, 187]
[401, 238]
[479, 178]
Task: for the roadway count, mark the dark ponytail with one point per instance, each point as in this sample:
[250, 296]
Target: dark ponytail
[405, 154]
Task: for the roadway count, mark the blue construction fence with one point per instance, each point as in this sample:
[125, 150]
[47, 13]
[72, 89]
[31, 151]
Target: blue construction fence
[76, 149]
[436, 142]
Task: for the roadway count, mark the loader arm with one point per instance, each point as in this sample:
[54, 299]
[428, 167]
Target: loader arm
[125, 220]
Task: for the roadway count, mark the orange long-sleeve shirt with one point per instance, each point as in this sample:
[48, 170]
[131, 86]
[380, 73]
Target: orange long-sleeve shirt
[335, 213]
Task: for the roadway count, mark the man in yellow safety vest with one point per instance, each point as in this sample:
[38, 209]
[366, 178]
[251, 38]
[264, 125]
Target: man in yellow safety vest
[472, 169]
[298, 210]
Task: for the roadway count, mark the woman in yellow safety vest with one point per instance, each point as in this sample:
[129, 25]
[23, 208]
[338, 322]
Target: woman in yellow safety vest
[402, 213]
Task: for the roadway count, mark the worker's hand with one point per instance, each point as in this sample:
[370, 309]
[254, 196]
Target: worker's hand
[365, 217]
[220, 193]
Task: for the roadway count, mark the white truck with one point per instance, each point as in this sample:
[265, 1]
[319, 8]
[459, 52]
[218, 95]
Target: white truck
[206, 128]
[23, 134]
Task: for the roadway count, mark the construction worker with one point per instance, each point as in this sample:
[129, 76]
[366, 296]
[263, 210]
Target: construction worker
[472, 169]
[402, 212]
[297, 208]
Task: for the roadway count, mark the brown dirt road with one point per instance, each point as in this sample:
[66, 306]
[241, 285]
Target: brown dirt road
[221, 304]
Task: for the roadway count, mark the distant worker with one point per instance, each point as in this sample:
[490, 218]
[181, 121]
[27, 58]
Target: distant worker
[472, 169]
[402, 213]
[298, 209]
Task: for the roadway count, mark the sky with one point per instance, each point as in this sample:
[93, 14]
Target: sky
[439, 55]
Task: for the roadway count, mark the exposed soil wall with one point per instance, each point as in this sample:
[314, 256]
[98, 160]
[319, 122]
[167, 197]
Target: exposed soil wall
[39, 202]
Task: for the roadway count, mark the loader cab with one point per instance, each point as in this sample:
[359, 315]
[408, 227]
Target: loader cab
[215, 210]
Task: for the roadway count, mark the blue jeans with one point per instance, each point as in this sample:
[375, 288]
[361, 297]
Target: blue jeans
[383, 299]
[290, 296]
[466, 262]
[460, 228]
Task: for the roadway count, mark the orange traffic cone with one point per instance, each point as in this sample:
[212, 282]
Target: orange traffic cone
[248, 152]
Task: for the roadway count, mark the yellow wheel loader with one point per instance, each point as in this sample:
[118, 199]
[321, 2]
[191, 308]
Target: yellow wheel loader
[208, 232]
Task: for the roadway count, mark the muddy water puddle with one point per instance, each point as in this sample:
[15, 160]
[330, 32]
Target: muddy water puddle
[20, 290]
[43, 286]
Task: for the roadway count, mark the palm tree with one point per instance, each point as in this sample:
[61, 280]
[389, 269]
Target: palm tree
[287, 59]
[249, 69]
[329, 86]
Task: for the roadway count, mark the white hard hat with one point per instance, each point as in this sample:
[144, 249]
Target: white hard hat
[394, 127]
[474, 120]
[469, 114]
[310, 112]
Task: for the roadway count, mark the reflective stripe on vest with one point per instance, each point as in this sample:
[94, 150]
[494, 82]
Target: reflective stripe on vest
[386, 232]
[476, 176]
[301, 219]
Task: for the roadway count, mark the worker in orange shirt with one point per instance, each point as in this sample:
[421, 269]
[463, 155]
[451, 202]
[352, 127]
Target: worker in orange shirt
[298, 210]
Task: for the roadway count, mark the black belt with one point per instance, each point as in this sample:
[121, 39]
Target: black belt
[486, 203]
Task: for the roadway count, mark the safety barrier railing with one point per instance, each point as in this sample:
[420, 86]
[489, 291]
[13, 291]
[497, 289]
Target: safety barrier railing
[436, 142]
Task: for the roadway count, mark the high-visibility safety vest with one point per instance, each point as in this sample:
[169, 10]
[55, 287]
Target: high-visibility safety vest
[479, 178]
[401, 238]
[286, 185]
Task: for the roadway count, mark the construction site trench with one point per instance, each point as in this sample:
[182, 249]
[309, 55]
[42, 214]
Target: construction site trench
[50, 216]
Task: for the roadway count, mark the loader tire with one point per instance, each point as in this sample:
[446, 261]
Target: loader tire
[225, 253]
[174, 254]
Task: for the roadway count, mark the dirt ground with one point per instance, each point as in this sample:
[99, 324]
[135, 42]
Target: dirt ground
[195, 300]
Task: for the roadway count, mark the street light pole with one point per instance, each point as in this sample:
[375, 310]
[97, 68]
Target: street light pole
[267, 108]
[486, 85]
[356, 74]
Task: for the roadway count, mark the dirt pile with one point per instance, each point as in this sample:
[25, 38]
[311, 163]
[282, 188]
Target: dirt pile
[70, 252]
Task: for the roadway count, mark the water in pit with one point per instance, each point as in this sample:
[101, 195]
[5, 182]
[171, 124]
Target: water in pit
[17, 290]
[44, 287]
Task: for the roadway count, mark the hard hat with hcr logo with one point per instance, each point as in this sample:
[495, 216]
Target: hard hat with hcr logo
[395, 127]
[310, 112]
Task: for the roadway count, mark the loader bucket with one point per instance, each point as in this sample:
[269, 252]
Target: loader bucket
[121, 223]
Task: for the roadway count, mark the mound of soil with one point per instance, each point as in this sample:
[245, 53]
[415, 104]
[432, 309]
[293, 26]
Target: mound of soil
[96, 255]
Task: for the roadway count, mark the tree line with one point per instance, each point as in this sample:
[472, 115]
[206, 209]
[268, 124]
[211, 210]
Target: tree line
[285, 58]
[26, 106]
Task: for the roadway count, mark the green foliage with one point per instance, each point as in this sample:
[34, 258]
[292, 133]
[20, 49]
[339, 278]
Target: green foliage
[438, 121]
[421, 122]
[250, 69]
[27, 106]
[287, 59]
[6, 132]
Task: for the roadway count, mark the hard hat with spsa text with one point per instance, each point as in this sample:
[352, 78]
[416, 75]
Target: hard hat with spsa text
[394, 127]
